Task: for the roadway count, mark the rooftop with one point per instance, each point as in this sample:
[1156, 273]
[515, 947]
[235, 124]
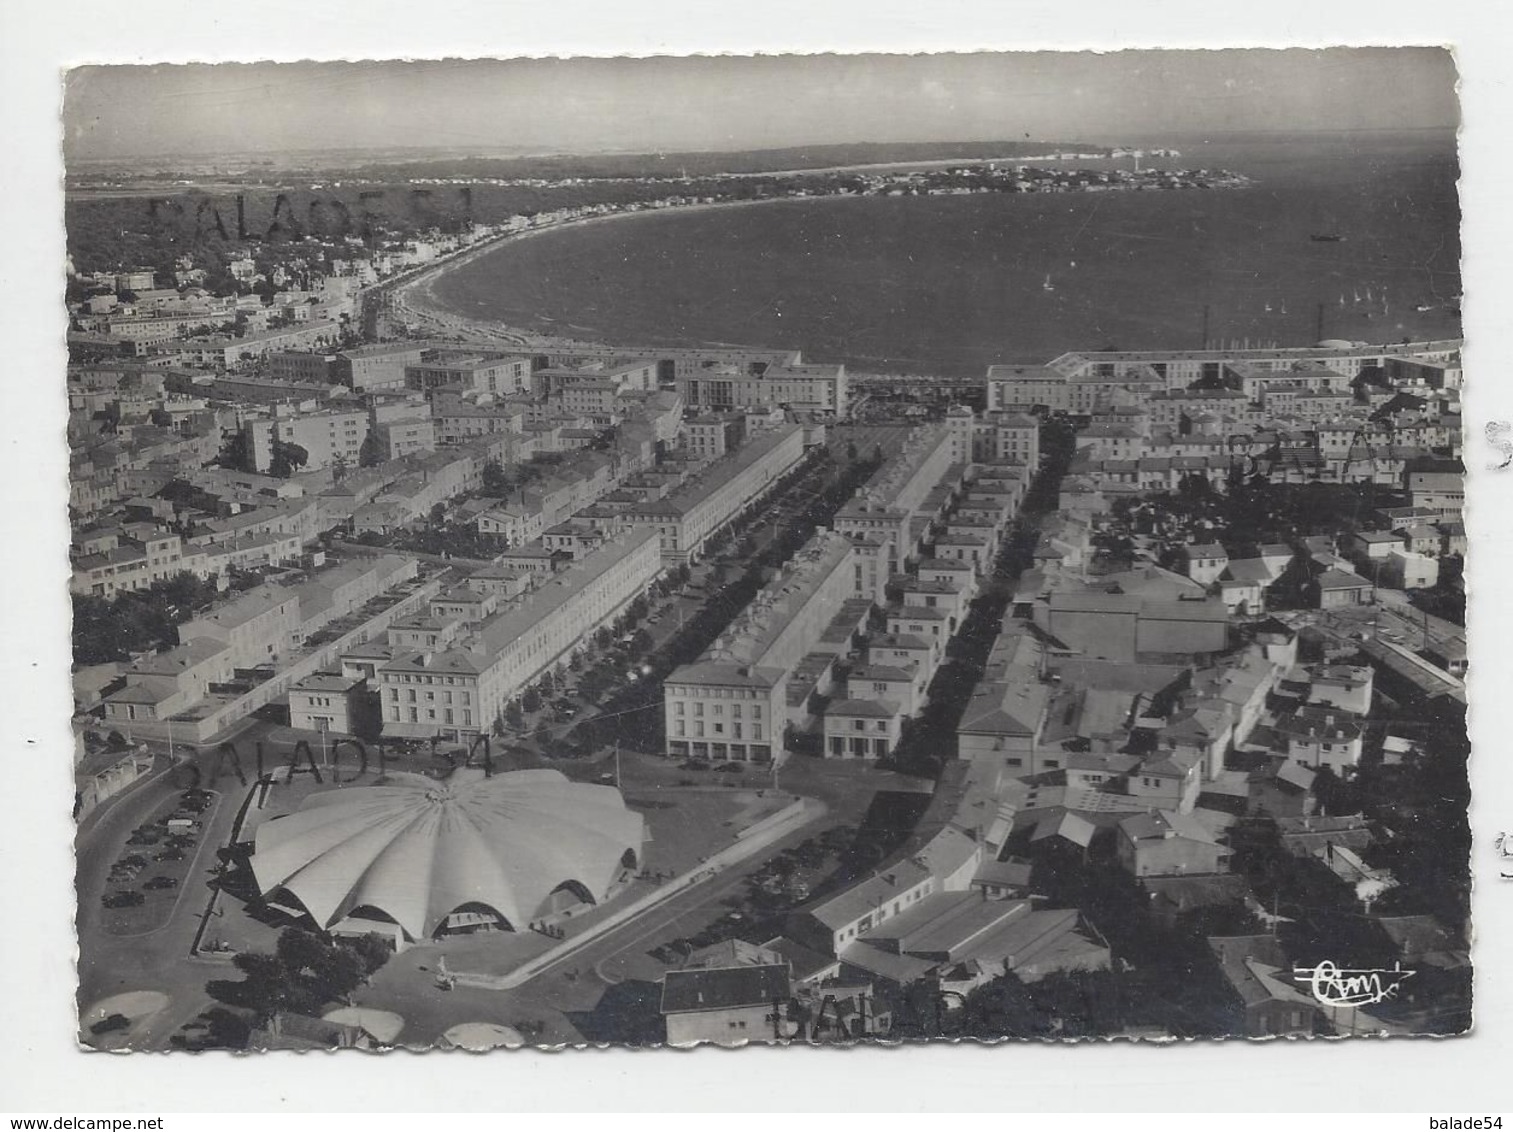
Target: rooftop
[1160, 824]
[1013, 872]
[868, 709]
[509, 626]
[1341, 580]
[721, 674]
[327, 682]
[844, 908]
[881, 672]
[789, 597]
[944, 924]
[707, 483]
[917, 613]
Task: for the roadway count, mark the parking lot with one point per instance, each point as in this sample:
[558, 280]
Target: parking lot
[149, 872]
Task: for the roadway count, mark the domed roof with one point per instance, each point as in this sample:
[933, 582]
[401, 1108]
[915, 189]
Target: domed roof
[417, 849]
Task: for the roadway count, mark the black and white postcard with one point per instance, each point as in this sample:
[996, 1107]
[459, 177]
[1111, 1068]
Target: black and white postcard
[590, 551]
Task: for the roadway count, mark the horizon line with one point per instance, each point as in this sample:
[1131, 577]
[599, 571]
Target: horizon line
[506, 151]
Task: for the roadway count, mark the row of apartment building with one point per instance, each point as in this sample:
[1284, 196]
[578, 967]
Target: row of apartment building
[224, 652]
[463, 688]
[1079, 382]
[790, 662]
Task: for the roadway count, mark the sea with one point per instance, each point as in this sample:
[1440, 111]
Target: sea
[951, 284]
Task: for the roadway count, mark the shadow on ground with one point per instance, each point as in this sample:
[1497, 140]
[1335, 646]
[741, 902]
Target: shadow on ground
[628, 1013]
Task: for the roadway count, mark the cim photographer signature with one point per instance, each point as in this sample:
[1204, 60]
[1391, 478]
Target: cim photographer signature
[1336, 986]
[1331, 985]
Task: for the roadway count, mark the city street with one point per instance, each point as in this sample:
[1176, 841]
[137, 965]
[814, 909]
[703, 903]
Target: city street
[583, 996]
[158, 960]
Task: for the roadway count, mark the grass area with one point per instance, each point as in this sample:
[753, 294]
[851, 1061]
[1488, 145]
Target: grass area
[685, 825]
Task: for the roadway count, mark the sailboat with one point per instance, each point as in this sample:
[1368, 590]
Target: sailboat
[1047, 285]
[1357, 296]
[1284, 306]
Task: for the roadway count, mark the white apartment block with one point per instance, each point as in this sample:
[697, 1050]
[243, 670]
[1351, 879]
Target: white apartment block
[884, 509]
[714, 434]
[403, 437]
[461, 690]
[781, 625]
[997, 435]
[255, 628]
[624, 375]
[687, 518]
[228, 353]
[129, 564]
[324, 702]
[328, 437]
[501, 375]
[721, 710]
[377, 367]
[809, 388]
[1083, 381]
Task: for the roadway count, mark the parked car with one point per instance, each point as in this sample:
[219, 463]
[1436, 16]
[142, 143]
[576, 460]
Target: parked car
[160, 883]
[730, 768]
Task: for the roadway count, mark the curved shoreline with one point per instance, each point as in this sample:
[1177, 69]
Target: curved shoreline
[426, 314]
[417, 302]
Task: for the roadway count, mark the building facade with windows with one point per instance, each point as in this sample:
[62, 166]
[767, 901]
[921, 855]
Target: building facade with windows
[724, 711]
[886, 507]
[377, 366]
[462, 689]
[752, 661]
[685, 520]
[325, 702]
[810, 388]
[501, 375]
[329, 437]
[862, 729]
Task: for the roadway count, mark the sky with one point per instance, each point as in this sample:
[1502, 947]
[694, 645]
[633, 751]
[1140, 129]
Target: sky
[665, 104]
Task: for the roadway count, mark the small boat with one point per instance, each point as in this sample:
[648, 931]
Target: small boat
[1421, 307]
[1326, 238]
[1268, 308]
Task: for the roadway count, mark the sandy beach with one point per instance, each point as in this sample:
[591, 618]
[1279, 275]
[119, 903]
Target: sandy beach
[417, 305]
